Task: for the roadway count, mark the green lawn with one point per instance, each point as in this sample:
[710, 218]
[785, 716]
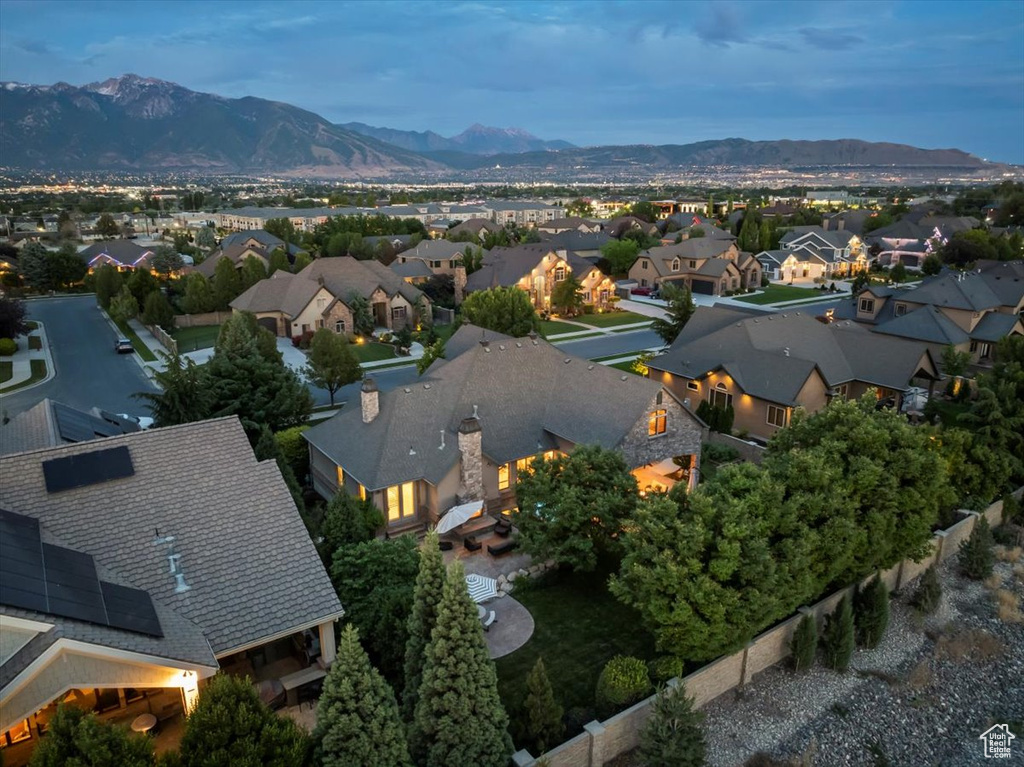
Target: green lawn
[611, 319]
[775, 293]
[35, 342]
[579, 628]
[373, 352]
[627, 366]
[6, 371]
[38, 368]
[141, 348]
[199, 337]
[553, 327]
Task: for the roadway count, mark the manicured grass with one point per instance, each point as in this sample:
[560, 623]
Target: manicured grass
[444, 332]
[554, 327]
[775, 293]
[6, 371]
[373, 352]
[32, 325]
[200, 337]
[611, 319]
[35, 342]
[579, 627]
[627, 366]
[38, 369]
[142, 350]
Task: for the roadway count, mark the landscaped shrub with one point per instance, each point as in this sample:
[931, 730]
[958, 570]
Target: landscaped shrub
[837, 640]
[666, 667]
[673, 736]
[623, 681]
[872, 613]
[718, 453]
[306, 339]
[8, 346]
[1011, 508]
[804, 644]
[543, 715]
[929, 592]
[976, 557]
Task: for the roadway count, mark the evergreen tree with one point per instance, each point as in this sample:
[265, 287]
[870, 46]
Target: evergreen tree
[426, 601]
[357, 720]
[544, 726]
[673, 736]
[929, 592]
[157, 311]
[680, 308]
[230, 727]
[750, 232]
[141, 283]
[804, 644]
[764, 236]
[253, 271]
[837, 640]
[302, 260]
[184, 394]
[460, 686]
[872, 613]
[108, 284]
[227, 284]
[278, 262]
[123, 306]
[349, 520]
[76, 737]
[198, 296]
[976, 557]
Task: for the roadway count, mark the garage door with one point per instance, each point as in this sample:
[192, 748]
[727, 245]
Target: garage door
[703, 287]
[270, 323]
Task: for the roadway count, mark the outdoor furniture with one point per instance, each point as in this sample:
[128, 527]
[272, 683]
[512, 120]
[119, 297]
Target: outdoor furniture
[459, 515]
[490, 619]
[481, 612]
[144, 723]
[496, 550]
[445, 545]
[272, 693]
[481, 588]
[503, 528]
[292, 682]
[472, 544]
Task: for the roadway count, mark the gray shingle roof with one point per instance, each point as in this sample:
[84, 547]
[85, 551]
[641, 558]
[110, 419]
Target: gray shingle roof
[926, 323]
[281, 292]
[524, 391]
[51, 423]
[123, 251]
[995, 326]
[698, 249]
[345, 275]
[414, 268]
[269, 241]
[968, 291]
[436, 250]
[245, 552]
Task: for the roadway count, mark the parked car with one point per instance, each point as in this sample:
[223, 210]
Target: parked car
[642, 291]
[123, 346]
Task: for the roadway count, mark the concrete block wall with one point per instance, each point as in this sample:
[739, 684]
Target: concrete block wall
[747, 451]
[911, 569]
[770, 647]
[953, 536]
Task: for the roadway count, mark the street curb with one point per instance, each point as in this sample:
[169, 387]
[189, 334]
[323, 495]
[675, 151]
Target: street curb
[146, 370]
[51, 371]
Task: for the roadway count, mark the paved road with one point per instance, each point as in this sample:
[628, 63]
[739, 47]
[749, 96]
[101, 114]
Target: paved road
[88, 371]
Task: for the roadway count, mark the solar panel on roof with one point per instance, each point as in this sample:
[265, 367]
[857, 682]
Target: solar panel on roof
[87, 469]
[130, 609]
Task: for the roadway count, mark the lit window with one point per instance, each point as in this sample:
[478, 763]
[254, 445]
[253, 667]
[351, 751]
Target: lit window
[523, 464]
[401, 501]
[720, 397]
[693, 386]
[657, 423]
[362, 493]
[867, 305]
[503, 476]
[778, 416]
[341, 477]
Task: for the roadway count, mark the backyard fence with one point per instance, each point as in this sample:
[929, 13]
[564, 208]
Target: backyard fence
[164, 338]
[199, 320]
[602, 741]
[748, 451]
[443, 316]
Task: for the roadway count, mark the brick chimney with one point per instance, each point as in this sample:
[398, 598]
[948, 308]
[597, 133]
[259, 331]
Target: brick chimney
[369, 398]
[471, 472]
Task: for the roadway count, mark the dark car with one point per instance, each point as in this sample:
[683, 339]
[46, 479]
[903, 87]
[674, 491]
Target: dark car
[642, 291]
[123, 346]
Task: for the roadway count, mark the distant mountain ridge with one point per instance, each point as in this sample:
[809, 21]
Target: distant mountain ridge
[139, 123]
[476, 139]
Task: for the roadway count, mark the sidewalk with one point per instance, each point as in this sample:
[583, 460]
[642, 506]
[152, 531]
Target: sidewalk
[21, 361]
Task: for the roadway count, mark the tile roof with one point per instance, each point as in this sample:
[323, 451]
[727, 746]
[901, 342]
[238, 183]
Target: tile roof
[524, 391]
[253, 570]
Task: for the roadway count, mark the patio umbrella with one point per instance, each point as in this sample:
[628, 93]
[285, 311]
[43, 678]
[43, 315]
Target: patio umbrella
[458, 515]
[481, 588]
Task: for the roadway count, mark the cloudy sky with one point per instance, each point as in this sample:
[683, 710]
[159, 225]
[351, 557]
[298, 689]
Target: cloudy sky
[931, 74]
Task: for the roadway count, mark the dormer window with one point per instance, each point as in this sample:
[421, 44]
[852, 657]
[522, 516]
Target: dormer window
[559, 274]
[675, 264]
[867, 305]
[900, 310]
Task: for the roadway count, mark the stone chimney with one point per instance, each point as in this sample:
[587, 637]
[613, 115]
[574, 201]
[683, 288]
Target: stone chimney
[369, 398]
[471, 470]
[459, 278]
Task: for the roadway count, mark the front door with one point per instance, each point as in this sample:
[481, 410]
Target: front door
[380, 315]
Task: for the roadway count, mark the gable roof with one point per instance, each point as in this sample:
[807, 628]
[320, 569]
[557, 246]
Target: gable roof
[575, 241]
[524, 391]
[265, 238]
[52, 423]
[280, 292]
[698, 249]
[244, 549]
[476, 226]
[436, 250]
[417, 267]
[124, 252]
[968, 291]
[344, 275]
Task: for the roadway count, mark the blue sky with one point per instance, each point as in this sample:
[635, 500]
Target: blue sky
[931, 74]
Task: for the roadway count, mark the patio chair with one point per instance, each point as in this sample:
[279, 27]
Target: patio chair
[503, 528]
[472, 544]
[491, 618]
[496, 550]
[445, 545]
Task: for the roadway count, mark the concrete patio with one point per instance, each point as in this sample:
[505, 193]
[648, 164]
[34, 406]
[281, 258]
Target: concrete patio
[482, 562]
[512, 627]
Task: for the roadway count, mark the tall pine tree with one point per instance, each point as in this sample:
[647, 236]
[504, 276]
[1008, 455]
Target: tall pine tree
[544, 726]
[426, 600]
[837, 640]
[673, 737]
[459, 711]
[357, 719]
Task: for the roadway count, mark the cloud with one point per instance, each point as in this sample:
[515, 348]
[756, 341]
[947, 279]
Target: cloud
[830, 39]
[722, 27]
[35, 47]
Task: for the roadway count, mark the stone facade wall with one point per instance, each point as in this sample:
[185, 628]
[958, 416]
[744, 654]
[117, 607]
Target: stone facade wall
[471, 477]
[683, 434]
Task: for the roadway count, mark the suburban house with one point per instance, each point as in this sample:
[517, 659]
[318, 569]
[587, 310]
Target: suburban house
[465, 430]
[584, 244]
[127, 579]
[618, 226]
[52, 423]
[321, 295]
[707, 266]
[911, 239]
[536, 269]
[121, 254]
[764, 366]
[432, 257]
[846, 220]
[478, 227]
[236, 254]
[971, 311]
[571, 224]
[815, 253]
[262, 239]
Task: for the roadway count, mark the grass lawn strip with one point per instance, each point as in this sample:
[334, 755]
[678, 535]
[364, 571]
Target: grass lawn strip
[775, 293]
[579, 628]
[627, 366]
[140, 347]
[38, 368]
[569, 339]
[6, 371]
[554, 328]
[373, 352]
[35, 342]
[198, 337]
[611, 319]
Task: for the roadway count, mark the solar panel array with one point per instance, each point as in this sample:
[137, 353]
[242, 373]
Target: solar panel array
[79, 426]
[86, 469]
[55, 580]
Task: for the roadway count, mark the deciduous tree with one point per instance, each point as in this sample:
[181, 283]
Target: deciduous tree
[227, 284]
[620, 254]
[166, 260]
[253, 270]
[331, 362]
[108, 283]
[567, 295]
[12, 317]
[198, 296]
[158, 311]
[680, 308]
[123, 306]
[107, 227]
[503, 310]
[349, 520]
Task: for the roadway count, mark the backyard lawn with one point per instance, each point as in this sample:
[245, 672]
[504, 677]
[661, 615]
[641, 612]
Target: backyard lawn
[775, 293]
[579, 628]
[553, 327]
[611, 319]
[200, 337]
[373, 352]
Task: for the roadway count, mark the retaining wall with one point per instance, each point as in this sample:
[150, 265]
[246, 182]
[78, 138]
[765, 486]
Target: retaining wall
[748, 452]
[603, 741]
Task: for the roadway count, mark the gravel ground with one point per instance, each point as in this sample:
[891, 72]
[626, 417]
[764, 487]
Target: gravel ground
[921, 698]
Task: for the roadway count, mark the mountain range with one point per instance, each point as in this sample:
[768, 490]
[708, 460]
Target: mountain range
[132, 123]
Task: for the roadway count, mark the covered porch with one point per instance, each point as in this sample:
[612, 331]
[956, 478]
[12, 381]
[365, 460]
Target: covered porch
[662, 476]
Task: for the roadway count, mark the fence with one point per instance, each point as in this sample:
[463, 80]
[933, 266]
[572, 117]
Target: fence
[748, 451]
[198, 320]
[162, 336]
[443, 316]
[602, 741]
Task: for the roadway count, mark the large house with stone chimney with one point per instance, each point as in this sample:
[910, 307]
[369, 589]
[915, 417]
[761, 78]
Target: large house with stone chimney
[433, 257]
[466, 429]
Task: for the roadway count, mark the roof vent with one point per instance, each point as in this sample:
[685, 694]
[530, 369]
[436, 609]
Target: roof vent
[796, 314]
[426, 386]
[501, 347]
[590, 367]
[786, 351]
[755, 321]
[568, 360]
[624, 378]
[475, 414]
[484, 342]
[519, 345]
[785, 315]
[407, 390]
[411, 450]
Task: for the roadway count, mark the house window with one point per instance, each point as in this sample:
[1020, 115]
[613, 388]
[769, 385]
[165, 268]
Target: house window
[341, 477]
[643, 283]
[778, 416]
[843, 390]
[643, 263]
[675, 264]
[321, 303]
[435, 264]
[693, 264]
[974, 346]
[693, 386]
[657, 423]
[867, 305]
[503, 476]
[339, 326]
[559, 274]
[362, 493]
[586, 296]
[401, 500]
[901, 309]
[720, 397]
[524, 464]
[398, 313]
